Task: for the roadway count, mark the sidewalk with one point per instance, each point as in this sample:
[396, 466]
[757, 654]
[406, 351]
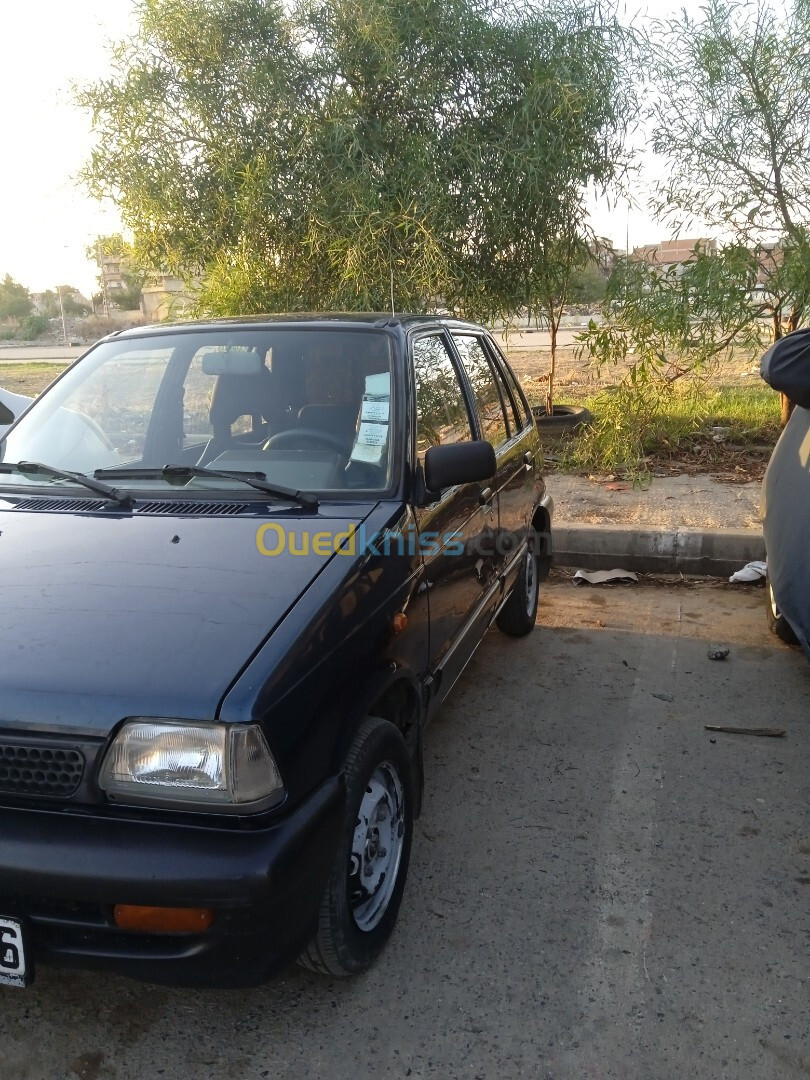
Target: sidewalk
[681, 524]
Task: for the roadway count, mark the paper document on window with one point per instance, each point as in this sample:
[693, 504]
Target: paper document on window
[371, 441]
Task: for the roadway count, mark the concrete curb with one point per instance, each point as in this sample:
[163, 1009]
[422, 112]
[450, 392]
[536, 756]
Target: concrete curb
[714, 552]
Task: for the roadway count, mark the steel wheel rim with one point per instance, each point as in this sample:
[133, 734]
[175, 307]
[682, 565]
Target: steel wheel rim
[379, 837]
[531, 583]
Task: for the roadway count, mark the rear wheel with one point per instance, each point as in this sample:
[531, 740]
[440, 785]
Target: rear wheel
[360, 906]
[777, 621]
[517, 616]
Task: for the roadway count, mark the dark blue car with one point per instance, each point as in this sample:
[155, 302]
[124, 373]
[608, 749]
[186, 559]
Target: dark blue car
[241, 565]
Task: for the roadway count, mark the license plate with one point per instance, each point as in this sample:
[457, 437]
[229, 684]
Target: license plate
[14, 970]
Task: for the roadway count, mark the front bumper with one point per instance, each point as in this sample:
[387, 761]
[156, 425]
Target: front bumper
[61, 875]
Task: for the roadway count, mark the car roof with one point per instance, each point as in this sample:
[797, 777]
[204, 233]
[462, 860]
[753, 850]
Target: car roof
[330, 319]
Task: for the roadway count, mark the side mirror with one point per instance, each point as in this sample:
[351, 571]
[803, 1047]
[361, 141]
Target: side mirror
[458, 463]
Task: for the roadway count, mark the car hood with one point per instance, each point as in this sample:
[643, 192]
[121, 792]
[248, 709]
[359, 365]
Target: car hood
[112, 615]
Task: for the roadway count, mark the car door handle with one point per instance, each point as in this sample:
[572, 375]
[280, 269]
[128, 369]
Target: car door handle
[485, 496]
[528, 459]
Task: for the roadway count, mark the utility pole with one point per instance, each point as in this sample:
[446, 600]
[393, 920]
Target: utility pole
[103, 278]
[62, 311]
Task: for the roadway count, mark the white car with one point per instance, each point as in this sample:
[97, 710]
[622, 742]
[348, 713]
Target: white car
[11, 406]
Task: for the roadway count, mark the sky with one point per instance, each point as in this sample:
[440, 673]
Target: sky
[46, 219]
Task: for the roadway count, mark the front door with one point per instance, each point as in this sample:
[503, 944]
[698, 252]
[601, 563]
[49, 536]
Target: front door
[456, 529]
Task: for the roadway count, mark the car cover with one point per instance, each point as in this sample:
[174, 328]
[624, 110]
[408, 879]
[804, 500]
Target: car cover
[786, 367]
[11, 406]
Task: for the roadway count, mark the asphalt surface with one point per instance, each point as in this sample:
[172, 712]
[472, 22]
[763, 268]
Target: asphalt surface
[600, 888]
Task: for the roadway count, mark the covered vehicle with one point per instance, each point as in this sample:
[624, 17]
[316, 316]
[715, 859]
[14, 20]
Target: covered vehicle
[786, 494]
[12, 406]
[242, 563]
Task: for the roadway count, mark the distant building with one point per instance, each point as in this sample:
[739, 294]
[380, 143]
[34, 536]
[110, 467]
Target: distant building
[112, 273]
[673, 254]
[165, 297]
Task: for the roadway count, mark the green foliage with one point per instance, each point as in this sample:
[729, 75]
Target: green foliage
[32, 327]
[588, 284]
[297, 155]
[731, 114]
[668, 420]
[667, 323]
[732, 118]
[15, 303]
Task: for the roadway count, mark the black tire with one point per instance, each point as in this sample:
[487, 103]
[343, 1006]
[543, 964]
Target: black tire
[517, 617]
[565, 419]
[776, 620]
[353, 924]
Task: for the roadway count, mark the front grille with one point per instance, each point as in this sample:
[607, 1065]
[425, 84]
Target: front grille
[40, 770]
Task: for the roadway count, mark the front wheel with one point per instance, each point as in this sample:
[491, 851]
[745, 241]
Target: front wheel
[776, 620]
[518, 614]
[360, 906]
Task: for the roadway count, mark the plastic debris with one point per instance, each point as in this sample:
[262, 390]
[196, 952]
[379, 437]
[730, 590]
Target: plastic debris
[718, 654]
[664, 697]
[753, 571]
[602, 577]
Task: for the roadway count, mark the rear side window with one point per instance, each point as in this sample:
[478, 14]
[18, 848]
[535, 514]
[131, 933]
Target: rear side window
[489, 399]
[521, 405]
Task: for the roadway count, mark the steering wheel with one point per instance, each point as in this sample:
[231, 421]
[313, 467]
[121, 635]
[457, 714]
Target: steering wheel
[294, 435]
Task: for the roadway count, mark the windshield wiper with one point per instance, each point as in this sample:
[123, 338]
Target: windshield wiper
[34, 467]
[256, 480]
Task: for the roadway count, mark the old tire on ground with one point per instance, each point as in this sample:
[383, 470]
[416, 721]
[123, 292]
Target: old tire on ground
[776, 620]
[516, 618]
[564, 420]
[361, 902]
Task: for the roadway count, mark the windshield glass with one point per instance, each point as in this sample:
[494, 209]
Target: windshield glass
[308, 408]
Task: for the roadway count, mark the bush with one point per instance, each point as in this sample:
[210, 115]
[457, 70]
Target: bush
[32, 327]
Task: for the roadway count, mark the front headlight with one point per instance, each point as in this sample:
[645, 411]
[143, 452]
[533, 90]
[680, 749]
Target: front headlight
[221, 766]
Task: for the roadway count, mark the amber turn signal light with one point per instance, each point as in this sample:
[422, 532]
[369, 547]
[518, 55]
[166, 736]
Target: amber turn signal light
[162, 920]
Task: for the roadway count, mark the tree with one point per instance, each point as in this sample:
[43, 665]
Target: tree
[300, 155]
[731, 116]
[15, 303]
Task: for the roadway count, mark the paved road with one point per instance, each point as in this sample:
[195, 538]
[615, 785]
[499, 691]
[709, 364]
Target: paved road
[600, 888]
[39, 354]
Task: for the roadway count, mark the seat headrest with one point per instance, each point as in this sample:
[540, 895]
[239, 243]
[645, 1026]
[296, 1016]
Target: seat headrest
[241, 395]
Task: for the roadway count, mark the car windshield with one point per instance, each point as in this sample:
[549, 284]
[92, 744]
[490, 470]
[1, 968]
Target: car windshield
[308, 409]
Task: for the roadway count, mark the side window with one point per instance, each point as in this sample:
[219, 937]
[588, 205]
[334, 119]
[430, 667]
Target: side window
[488, 399]
[441, 411]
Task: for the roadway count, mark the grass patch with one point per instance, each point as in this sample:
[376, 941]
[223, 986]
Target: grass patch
[29, 379]
[633, 426]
